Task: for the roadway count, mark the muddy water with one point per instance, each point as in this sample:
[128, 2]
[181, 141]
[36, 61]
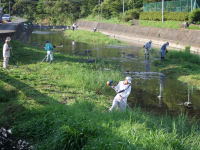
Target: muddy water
[151, 90]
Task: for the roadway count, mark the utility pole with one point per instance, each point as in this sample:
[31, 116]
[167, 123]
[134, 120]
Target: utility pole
[101, 12]
[9, 7]
[191, 5]
[123, 7]
[0, 3]
[98, 11]
[163, 11]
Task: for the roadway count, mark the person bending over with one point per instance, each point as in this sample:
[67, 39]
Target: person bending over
[148, 48]
[163, 50]
[123, 90]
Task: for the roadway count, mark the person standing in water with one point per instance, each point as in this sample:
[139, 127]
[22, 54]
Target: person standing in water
[163, 50]
[148, 48]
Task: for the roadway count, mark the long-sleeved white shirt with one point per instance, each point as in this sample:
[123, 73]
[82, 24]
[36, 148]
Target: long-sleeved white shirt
[148, 46]
[6, 50]
[121, 86]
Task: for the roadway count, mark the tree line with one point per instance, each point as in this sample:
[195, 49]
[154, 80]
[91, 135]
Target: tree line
[63, 12]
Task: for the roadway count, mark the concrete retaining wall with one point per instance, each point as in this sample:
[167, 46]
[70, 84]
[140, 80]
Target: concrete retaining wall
[14, 34]
[178, 38]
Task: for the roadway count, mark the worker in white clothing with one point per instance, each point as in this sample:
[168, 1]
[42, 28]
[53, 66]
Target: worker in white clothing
[6, 52]
[123, 90]
[148, 48]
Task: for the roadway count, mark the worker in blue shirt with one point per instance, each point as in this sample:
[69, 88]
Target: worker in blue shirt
[49, 49]
[163, 50]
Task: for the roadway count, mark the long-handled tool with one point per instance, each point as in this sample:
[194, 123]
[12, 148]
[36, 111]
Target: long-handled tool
[12, 59]
[44, 59]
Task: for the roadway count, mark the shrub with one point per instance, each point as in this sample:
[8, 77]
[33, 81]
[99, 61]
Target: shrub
[154, 16]
[176, 16]
[157, 16]
[187, 49]
[130, 15]
[194, 16]
[133, 13]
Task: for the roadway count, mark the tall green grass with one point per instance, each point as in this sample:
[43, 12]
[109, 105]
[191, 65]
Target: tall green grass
[183, 65]
[113, 20]
[92, 38]
[159, 24]
[65, 105]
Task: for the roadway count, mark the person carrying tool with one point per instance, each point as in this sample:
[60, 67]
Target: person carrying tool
[49, 49]
[123, 90]
[6, 52]
[148, 48]
[163, 50]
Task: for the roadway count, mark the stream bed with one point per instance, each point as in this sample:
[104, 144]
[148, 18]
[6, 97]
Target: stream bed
[151, 90]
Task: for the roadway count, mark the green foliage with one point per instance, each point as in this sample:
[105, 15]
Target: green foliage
[130, 15]
[91, 38]
[113, 20]
[64, 12]
[194, 27]
[57, 107]
[187, 48]
[183, 65]
[194, 16]
[160, 24]
[157, 16]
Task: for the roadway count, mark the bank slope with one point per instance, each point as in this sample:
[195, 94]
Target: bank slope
[65, 106]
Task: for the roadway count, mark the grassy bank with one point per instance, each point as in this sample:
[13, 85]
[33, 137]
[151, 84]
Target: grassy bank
[159, 24]
[182, 65]
[115, 20]
[65, 105]
[92, 37]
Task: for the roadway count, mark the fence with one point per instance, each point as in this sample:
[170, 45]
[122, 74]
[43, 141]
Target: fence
[172, 6]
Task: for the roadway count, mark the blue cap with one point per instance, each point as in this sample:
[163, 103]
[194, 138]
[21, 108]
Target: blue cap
[111, 82]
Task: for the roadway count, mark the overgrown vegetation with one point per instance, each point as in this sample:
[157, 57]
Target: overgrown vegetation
[160, 24]
[91, 38]
[194, 16]
[168, 16]
[183, 65]
[65, 106]
[64, 12]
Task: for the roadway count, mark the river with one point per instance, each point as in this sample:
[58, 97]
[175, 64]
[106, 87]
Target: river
[151, 90]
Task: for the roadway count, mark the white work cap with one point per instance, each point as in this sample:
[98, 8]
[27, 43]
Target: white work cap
[129, 79]
[8, 39]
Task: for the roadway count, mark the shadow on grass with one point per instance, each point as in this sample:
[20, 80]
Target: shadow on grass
[25, 54]
[82, 124]
[54, 126]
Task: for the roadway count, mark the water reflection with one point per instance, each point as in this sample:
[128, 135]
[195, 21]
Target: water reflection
[151, 89]
[162, 81]
[73, 47]
[147, 64]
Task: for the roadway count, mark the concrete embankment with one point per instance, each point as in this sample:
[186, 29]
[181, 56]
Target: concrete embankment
[13, 29]
[178, 38]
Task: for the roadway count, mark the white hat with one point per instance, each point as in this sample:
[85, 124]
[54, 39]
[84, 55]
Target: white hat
[129, 79]
[8, 39]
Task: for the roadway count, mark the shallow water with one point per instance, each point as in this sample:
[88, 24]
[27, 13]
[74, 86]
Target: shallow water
[151, 90]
